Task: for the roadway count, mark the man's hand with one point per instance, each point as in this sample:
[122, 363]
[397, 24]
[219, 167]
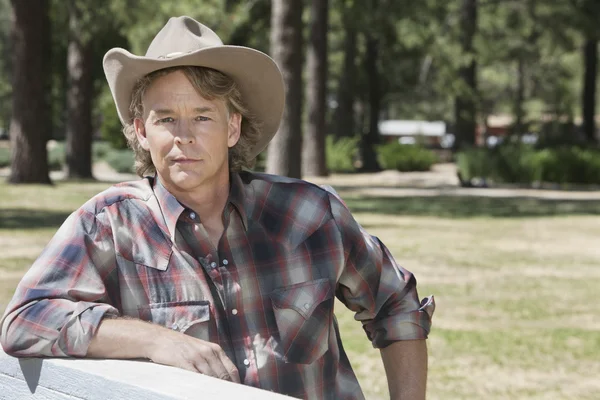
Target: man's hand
[130, 338]
[182, 351]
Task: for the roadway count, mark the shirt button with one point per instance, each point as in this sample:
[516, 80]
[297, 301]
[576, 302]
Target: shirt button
[175, 326]
[213, 264]
[306, 306]
[193, 215]
[225, 262]
[234, 311]
[246, 362]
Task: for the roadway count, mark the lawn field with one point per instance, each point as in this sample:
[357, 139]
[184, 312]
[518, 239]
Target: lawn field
[516, 283]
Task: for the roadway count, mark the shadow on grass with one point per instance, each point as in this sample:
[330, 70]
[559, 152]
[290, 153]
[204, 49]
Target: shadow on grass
[22, 218]
[472, 206]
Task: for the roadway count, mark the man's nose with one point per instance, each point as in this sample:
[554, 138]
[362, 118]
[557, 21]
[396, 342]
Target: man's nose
[184, 134]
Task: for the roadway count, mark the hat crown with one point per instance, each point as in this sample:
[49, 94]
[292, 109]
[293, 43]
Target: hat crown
[182, 35]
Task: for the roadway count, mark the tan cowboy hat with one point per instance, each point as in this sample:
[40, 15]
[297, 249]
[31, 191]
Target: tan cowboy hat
[184, 41]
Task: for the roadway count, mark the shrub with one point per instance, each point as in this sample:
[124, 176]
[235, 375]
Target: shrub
[340, 153]
[405, 158]
[515, 163]
[121, 161]
[111, 129]
[100, 150]
[4, 157]
[56, 156]
[474, 163]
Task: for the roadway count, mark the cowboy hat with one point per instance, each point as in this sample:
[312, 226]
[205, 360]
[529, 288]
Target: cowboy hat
[184, 41]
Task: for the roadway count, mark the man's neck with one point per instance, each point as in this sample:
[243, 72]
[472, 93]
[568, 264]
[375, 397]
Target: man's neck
[207, 200]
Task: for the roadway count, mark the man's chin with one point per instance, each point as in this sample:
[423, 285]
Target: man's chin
[186, 180]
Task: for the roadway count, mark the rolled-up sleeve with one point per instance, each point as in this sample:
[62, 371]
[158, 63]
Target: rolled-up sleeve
[58, 305]
[381, 293]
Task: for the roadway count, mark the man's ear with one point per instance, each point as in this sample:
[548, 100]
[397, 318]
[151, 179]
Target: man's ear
[234, 129]
[140, 132]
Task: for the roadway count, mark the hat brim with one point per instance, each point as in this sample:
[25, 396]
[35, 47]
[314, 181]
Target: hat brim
[259, 80]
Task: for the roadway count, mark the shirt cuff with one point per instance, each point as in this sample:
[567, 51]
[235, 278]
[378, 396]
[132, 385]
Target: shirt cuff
[77, 333]
[405, 326]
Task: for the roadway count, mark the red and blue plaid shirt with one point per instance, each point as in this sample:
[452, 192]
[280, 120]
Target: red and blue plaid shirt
[265, 295]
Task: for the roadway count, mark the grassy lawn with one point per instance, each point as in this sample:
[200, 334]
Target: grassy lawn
[515, 281]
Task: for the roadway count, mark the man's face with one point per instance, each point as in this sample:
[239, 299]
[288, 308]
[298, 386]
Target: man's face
[188, 136]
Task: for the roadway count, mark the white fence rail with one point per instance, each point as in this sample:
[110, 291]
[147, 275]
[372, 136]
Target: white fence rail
[60, 379]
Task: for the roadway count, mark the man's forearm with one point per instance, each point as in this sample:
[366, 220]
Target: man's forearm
[405, 365]
[123, 339]
[130, 338]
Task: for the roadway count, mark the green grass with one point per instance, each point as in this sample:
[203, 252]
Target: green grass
[517, 312]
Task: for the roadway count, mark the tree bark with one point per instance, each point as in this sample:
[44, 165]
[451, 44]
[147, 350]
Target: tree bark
[371, 138]
[344, 125]
[313, 152]
[590, 55]
[284, 153]
[520, 97]
[80, 95]
[30, 121]
[465, 107]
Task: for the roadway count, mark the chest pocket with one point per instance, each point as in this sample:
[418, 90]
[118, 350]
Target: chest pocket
[189, 317]
[304, 313]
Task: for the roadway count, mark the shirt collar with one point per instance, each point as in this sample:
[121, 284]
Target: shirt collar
[172, 208]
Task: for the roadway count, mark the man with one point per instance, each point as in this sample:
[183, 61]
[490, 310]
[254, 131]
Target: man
[203, 266]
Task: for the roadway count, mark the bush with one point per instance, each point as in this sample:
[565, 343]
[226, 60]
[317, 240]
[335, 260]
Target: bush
[121, 161]
[474, 163]
[111, 129]
[4, 157]
[56, 156]
[515, 163]
[100, 150]
[340, 153]
[405, 158]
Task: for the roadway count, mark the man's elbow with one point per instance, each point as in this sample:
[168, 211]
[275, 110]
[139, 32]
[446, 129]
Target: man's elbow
[17, 343]
[10, 341]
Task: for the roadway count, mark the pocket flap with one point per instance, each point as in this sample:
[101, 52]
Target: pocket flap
[303, 297]
[180, 315]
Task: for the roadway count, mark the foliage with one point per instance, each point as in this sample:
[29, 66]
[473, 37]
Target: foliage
[405, 158]
[341, 153]
[111, 129]
[4, 157]
[418, 62]
[523, 164]
[100, 150]
[121, 161]
[56, 156]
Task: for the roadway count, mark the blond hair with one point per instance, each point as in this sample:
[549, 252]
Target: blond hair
[212, 85]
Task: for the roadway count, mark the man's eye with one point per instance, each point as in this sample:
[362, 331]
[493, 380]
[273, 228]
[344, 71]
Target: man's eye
[201, 118]
[166, 120]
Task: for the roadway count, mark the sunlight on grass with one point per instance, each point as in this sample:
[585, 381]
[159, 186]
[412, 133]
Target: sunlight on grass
[516, 313]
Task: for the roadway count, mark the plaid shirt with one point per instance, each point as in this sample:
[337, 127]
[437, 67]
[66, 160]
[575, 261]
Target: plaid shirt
[265, 295]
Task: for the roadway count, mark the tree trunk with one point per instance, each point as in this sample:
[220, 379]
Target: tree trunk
[344, 125]
[371, 138]
[313, 152]
[590, 55]
[465, 107]
[30, 122]
[284, 154]
[80, 94]
[520, 97]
